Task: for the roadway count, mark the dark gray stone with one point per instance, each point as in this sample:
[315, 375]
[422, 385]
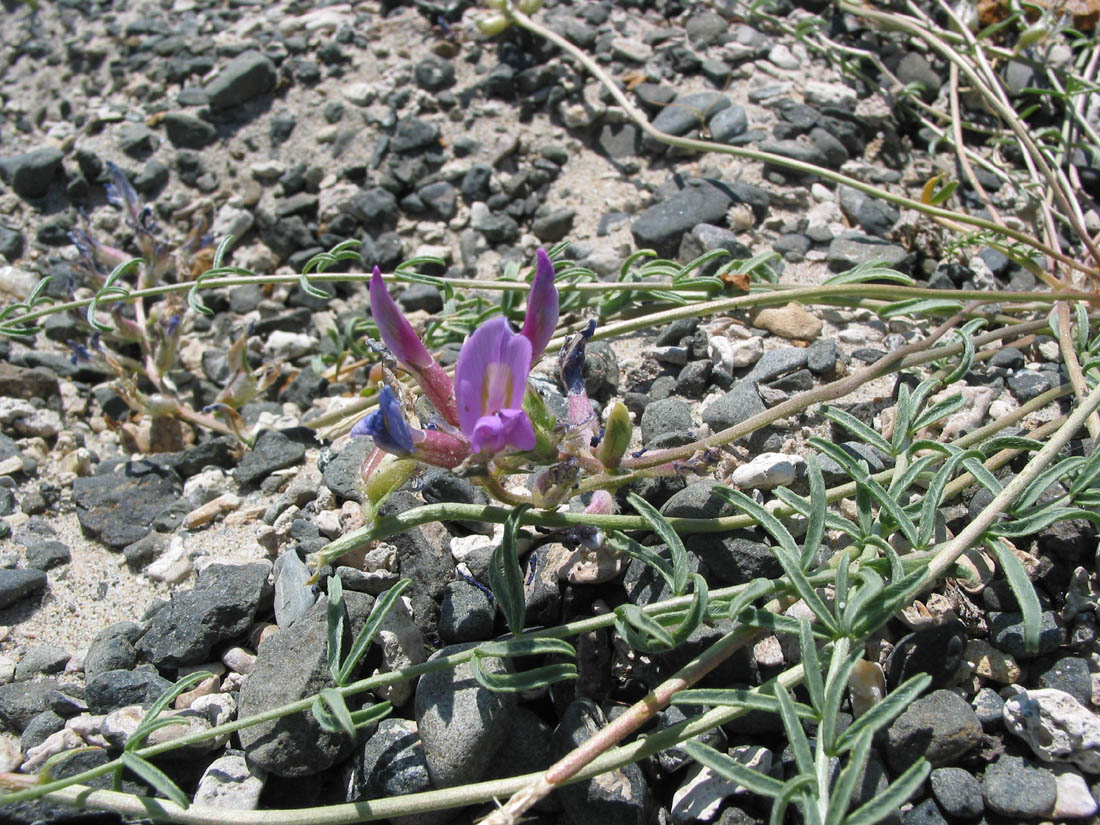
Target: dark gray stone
[619, 797]
[430, 568]
[741, 403]
[851, 249]
[461, 723]
[735, 557]
[1006, 632]
[924, 813]
[1027, 384]
[441, 199]
[390, 763]
[273, 450]
[940, 727]
[694, 378]
[187, 131]
[777, 362]
[114, 689]
[731, 122]
[958, 792]
[936, 650]
[31, 173]
[414, 134]
[664, 417]
[17, 584]
[821, 356]
[118, 508]
[662, 225]
[434, 74]
[697, 500]
[220, 608]
[41, 726]
[1012, 788]
[46, 555]
[690, 112]
[291, 665]
[20, 702]
[1070, 674]
[466, 614]
[247, 75]
[915, 68]
[552, 224]
[989, 707]
[341, 473]
[424, 297]
[113, 652]
[44, 658]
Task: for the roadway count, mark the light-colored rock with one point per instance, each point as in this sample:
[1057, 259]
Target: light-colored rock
[584, 565]
[239, 660]
[173, 566]
[768, 652]
[89, 728]
[790, 321]
[12, 409]
[7, 669]
[1074, 800]
[206, 513]
[328, 523]
[231, 220]
[866, 686]
[55, 743]
[781, 56]
[818, 93]
[402, 646]
[10, 757]
[627, 48]
[359, 94]
[1056, 726]
[283, 345]
[991, 663]
[16, 282]
[206, 486]
[230, 783]
[730, 355]
[203, 688]
[767, 471]
[701, 795]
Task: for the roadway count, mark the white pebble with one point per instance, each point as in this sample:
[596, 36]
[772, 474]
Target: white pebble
[767, 471]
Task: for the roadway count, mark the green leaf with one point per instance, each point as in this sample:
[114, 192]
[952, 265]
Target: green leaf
[1033, 523]
[799, 786]
[870, 271]
[1046, 478]
[754, 590]
[889, 801]
[920, 306]
[982, 474]
[1010, 442]
[729, 768]
[737, 698]
[938, 411]
[334, 616]
[505, 577]
[889, 505]
[371, 715]
[888, 602]
[628, 547]
[145, 727]
[332, 713]
[903, 421]
[525, 646]
[1082, 316]
[883, 713]
[933, 497]
[811, 665]
[535, 679]
[154, 776]
[965, 362]
[642, 632]
[800, 744]
[378, 614]
[845, 786]
[841, 665]
[857, 428]
[659, 525]
[815, 526]
[1024, 592]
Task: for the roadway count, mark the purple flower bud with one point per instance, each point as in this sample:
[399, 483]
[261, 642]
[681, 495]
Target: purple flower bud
[491, 378]
[409, 350]
[542, 306]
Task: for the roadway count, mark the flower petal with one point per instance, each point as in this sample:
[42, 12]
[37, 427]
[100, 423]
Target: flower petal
[491, 372]
[518, 430]
[387, 425]
[542, 306]
[395, 329]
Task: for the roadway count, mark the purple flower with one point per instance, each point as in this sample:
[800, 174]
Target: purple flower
[491, 379]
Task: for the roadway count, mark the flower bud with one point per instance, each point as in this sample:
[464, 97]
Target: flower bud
[617, 435]
[494, 24]
[529, 6]
[380, 476]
